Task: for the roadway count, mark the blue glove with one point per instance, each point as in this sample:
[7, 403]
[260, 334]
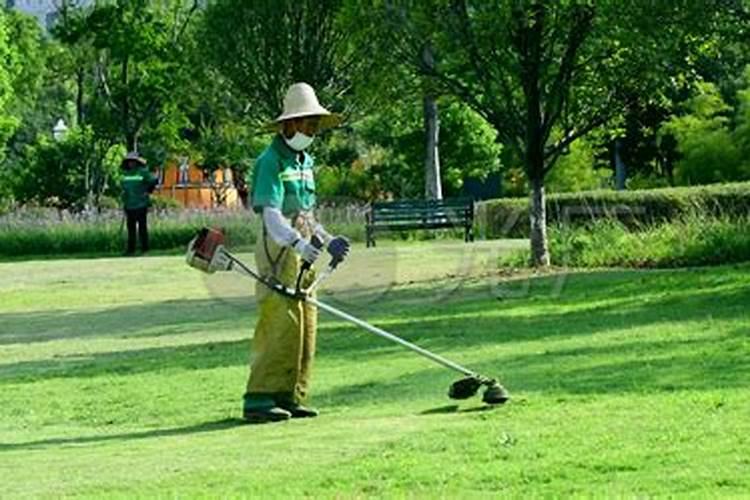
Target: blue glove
[338, 247]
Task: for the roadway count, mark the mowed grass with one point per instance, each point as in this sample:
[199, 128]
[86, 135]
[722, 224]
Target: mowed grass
[124, 377]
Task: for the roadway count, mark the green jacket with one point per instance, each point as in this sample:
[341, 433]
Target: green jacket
[283, 179]
[137, 184]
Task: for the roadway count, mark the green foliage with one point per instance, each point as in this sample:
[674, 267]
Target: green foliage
[693, 239]
[741, 133]
[274, 44]
[468, 146]
[506, 217]
[28, 70]
[704, 140]
[639, 181]
[183, 80]
[383, 156]
[164, 203]
[68, 173]
[9, 69]
[138, 50]
[575, 171]
[544, 73]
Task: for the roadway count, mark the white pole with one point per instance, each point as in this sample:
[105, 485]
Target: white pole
[382, 333]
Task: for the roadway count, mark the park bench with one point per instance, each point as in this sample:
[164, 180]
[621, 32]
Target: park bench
[406, 215]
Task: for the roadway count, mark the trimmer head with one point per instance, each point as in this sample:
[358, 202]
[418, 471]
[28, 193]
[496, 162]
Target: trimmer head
[495, 394]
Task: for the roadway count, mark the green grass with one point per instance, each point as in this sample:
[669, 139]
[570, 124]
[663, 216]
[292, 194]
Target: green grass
[123, 377]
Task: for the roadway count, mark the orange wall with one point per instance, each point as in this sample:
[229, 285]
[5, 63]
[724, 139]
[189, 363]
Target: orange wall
[196, 194]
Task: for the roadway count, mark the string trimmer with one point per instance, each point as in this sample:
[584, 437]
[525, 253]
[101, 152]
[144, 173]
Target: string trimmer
[207, 253]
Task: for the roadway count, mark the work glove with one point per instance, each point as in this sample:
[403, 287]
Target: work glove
[338, 247]
[307, 251]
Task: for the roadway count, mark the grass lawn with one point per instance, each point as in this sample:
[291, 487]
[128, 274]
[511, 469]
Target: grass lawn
[122, 377]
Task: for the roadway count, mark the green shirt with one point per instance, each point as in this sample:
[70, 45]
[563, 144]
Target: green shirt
[136, 186]
[283, 179]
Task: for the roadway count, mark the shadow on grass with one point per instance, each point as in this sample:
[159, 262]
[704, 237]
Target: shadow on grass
[443, 410]
[707, 365]
[169, 317]
[487, 323]
[621, 290]
[218, 425]
[641, 301]
[185, 357]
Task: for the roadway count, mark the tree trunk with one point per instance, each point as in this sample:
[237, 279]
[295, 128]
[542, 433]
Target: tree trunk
[432, 185]
[538, 219]
[530, 40]
[79, 96]
[131, 133]
[131, 140]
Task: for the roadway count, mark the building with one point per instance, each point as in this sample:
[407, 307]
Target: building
[189, 186]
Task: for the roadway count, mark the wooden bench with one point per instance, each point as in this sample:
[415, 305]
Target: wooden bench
[406, 215]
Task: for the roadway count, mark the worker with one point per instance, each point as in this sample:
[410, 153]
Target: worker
[283, 194]
[137, 185]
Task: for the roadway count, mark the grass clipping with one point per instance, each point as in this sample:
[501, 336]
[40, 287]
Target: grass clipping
[692, 240]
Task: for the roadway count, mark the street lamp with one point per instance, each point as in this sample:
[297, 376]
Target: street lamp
[60, 130]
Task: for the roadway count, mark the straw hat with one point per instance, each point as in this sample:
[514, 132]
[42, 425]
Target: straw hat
[134, 156]
[301, 101]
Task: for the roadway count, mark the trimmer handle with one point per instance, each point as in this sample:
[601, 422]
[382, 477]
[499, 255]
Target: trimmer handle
[317, 243]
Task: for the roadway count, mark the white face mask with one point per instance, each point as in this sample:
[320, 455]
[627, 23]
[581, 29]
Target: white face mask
[299, 141]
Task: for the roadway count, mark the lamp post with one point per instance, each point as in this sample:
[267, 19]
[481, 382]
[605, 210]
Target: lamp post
[60, 130]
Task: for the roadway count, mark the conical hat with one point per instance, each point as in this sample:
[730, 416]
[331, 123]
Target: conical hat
[301, 101]
[134, 156]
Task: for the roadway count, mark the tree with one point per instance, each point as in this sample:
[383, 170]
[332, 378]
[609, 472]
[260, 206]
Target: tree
[274, 44]
[575, 171]
[432, 181]
[138, 47]
[542, 72]
[704, 140]
[23, 68]
[70, 173]
[741, 135]
[387, 80]
[9, 70]
[383, 155]
[226, 146]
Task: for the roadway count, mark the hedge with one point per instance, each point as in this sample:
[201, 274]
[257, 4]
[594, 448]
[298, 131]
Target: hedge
[509, 217]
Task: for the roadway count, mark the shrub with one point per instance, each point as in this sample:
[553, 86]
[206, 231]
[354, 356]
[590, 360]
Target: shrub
[165, 203]
[509, 217]
[704, 141]
[574, 172]
[692, 240]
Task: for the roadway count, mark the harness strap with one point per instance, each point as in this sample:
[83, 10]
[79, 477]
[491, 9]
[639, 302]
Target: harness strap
[274, 262]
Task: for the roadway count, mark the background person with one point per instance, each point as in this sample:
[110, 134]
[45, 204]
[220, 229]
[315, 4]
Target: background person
[137, 185]
[283, 192]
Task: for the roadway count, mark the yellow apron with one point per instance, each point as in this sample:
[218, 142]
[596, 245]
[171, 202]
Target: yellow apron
[283, 346]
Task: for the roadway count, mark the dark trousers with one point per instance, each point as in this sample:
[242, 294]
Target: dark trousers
[137, 216]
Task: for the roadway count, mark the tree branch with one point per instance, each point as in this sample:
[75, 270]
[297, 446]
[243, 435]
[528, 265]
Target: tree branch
[104, 85]
[576, 36]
